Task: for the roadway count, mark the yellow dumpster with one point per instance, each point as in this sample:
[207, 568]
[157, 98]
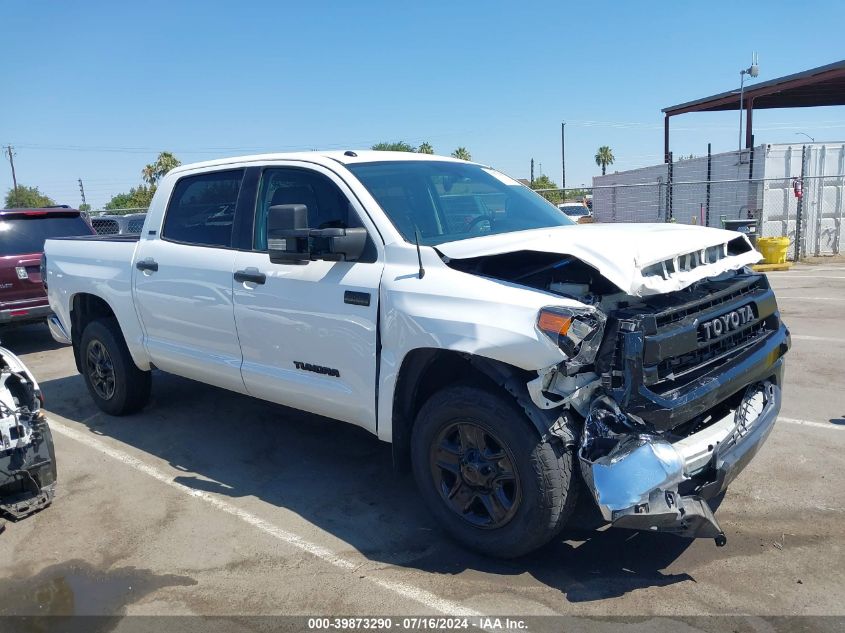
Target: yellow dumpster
[773, 249]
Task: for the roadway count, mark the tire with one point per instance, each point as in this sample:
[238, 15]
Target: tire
[103, 351]
[538, 500]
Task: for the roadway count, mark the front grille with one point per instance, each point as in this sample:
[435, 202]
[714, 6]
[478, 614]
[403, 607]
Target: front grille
[687, 367]
[674, 315]
[673, 351]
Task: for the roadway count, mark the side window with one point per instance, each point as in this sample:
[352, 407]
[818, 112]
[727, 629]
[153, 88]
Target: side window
[202, 209]
[327, 206]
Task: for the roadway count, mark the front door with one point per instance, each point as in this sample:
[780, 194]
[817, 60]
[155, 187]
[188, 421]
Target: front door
[308, 332]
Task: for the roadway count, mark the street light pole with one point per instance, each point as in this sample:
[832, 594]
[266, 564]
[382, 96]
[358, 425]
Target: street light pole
[808, 136]
[563, 154]
[753, 70]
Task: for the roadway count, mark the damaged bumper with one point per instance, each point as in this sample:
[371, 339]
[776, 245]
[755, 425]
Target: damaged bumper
[646, 482]
[27, 456]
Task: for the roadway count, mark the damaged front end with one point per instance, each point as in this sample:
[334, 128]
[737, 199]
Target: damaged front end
[27, 456]
[644, 481]
[682, 392]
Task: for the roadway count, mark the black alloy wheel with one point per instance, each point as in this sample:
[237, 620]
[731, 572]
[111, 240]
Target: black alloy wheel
[98, 364]
[475, 475]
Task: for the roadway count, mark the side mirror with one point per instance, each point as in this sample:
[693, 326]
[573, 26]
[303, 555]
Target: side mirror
[287, 234]
[290, 241]
[340, 245]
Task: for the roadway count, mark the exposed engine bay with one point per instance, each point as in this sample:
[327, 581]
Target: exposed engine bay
[673, 393]
[27, 456]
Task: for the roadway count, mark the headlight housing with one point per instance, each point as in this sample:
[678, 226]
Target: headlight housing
[577, 331]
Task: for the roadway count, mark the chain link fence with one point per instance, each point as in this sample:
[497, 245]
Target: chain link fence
[809, 211]
[118, 221]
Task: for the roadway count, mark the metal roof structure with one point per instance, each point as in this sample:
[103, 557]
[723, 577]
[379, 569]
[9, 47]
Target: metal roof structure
[822, 86]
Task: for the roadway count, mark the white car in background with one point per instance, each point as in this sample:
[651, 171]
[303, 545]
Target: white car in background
[577, 211]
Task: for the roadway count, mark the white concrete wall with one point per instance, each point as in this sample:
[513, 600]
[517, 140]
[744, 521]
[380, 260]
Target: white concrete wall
[640, 195]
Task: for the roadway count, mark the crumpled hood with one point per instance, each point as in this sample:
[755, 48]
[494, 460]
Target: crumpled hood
[641, 259]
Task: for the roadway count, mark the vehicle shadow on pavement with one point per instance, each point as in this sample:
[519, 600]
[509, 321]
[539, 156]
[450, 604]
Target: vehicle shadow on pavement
[340, 478]
[27, 339]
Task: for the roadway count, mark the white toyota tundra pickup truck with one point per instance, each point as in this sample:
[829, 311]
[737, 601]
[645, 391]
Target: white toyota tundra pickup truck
[510, 356]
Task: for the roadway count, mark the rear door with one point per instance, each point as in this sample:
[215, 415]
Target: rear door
[183, 281]
[309, 332]
[22, 236]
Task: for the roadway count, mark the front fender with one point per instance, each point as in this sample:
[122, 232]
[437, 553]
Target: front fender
[456, 311]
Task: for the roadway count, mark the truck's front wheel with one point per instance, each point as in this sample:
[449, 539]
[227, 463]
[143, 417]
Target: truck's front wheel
[114, 381]
[486, 474]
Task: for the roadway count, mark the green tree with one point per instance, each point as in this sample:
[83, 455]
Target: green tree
[395, 146]
[137, 198]
[604, 157]
[27, 198]
[544, 182]
[425, 148]
[154, 172]
[85, 207]
[462, 153]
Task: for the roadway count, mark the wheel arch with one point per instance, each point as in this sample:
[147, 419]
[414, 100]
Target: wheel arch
[426, 370]
[84, 308]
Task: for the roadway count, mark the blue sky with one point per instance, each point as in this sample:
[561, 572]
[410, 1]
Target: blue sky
[94, 90]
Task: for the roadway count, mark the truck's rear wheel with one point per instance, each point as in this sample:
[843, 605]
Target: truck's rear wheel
[114, 381]
[486, 475]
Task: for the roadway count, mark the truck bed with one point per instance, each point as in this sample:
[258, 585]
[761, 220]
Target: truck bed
[102, 268]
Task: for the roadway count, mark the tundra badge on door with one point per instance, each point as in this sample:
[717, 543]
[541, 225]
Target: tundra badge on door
[317, 369]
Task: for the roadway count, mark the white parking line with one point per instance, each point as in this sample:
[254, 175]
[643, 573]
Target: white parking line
[808, 337]
[405, 590]
[812, 298]
[803, 277]
[806, 271]
[821, 425]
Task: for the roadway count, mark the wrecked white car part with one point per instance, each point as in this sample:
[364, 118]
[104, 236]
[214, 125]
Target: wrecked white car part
[27, 456]
[638, 478]
[639, 259]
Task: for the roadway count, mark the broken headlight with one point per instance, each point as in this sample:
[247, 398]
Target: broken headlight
[577, 331]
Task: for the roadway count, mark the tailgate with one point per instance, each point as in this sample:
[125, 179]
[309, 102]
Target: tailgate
[20, 281]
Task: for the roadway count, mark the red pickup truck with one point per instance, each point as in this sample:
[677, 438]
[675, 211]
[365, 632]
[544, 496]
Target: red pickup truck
[22, 235]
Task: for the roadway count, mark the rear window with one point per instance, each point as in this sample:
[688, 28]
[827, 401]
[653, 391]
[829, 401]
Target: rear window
[22, 235]
[202, 209]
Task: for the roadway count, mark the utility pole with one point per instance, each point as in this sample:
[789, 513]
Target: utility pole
[82, 190]
[563, 154]
[532, 171]
[10, 152]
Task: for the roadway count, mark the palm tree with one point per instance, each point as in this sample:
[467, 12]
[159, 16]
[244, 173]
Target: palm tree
[148, 173]
[425, 148]
[604, 157]
[154, 172]
[462, 153]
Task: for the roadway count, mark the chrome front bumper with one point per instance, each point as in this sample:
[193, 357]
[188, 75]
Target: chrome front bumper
[58, 331]
[635, 477]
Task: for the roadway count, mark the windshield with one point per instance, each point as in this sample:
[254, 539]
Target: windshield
[447, 201]
[23, 235]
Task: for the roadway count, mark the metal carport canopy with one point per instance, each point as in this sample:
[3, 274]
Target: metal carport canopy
[822, 86]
